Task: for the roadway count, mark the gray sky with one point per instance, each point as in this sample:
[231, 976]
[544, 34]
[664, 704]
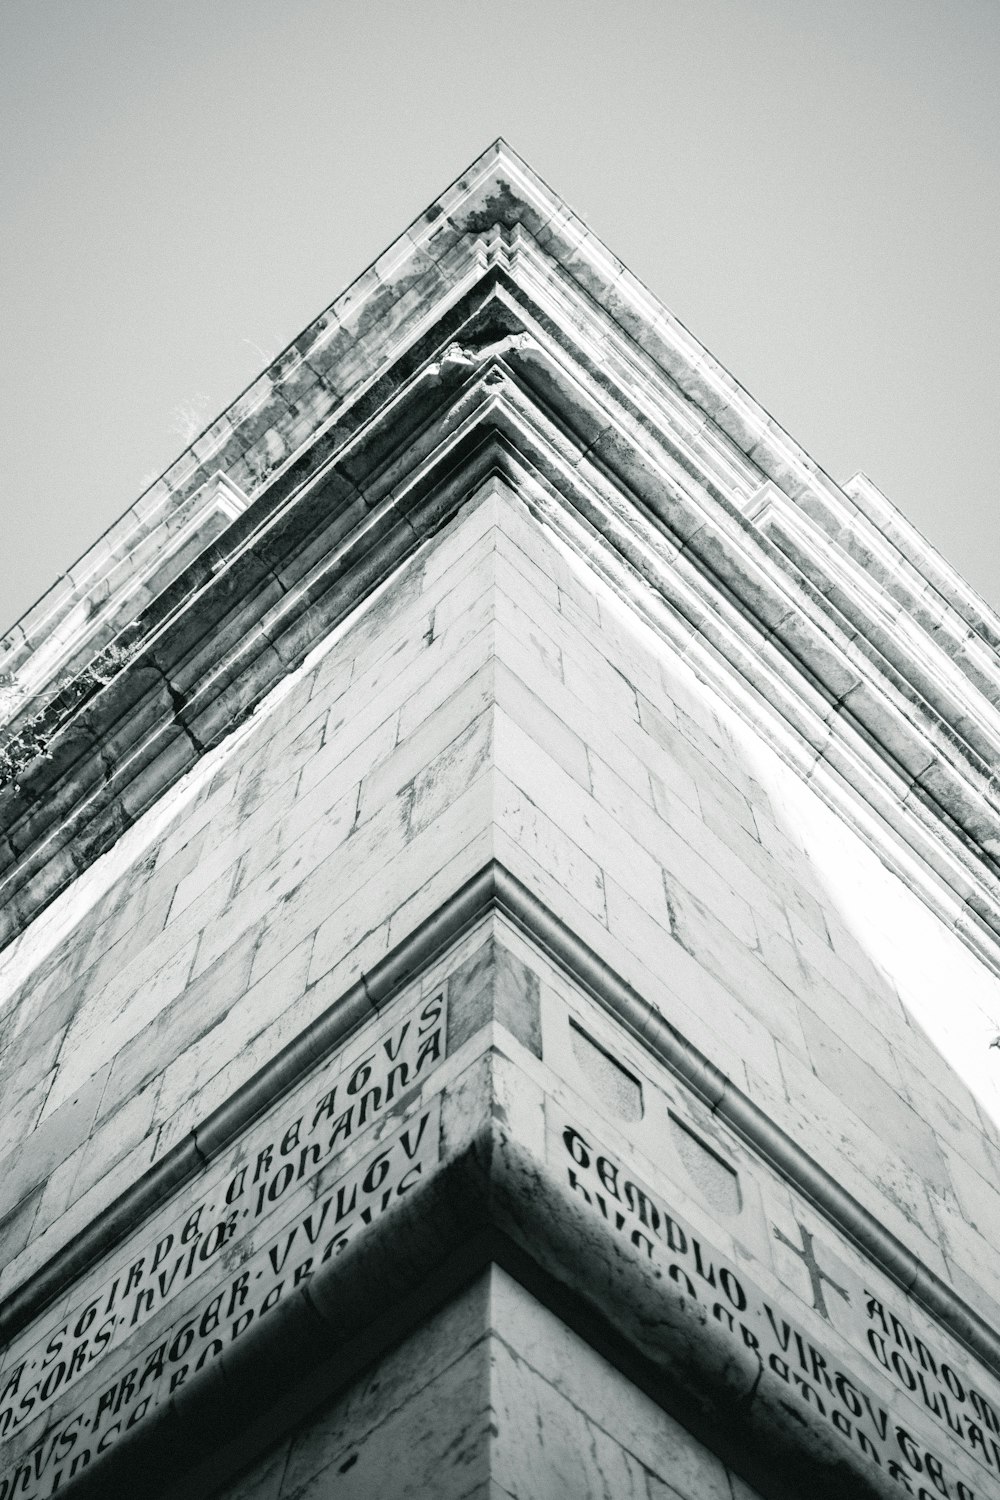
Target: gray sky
[811, 187]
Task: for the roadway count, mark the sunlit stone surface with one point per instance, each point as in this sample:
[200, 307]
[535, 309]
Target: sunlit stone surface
[500, 930]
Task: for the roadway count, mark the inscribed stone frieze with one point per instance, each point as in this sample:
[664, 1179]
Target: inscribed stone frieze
[716, 1227]
[304, 1182]
[742, 1275]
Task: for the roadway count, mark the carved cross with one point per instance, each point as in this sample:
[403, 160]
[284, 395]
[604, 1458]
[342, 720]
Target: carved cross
[817, 1275]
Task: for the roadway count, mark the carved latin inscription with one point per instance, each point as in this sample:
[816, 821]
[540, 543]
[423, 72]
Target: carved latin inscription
[885, 1433]
[303, 1184]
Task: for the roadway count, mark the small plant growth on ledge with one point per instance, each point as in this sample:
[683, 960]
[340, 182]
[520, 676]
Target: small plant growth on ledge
[21, 747]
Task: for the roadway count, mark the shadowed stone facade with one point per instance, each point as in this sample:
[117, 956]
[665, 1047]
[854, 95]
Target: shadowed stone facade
[501, 932]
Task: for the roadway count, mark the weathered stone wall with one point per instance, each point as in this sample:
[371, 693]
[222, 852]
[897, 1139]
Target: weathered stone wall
[676, 844]
[494, 1397]
[669, 1237]
[498, 701]
[327, 832]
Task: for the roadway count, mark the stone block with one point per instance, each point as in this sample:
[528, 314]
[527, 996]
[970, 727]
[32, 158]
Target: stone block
[494, 984]
[923, 1062]
[444, 671]
[517, 551]
[542, 723]
[543, 1437]
[698, 764]
[521, 579]
[464, 761]
[183, 855]
[858, 1011]
[681, 858]
[969, 1284]
[519, 638]
[563, 1412]
[864, 1091]
[627, 642]
[116, 1136]
[436, 1443]
[433, 737]
[187, 1019]
[523, 826]
[835, 1033]
[967, 1243]
[267, 778]
[478, 518]
[953, 1118]
[471, 994]
[598, 683]
[428, 1367]
[117, 1014]
[977, 1198]
[285, 867]
[467, 846]
[858, 1155]
[59, 1188]
[321, 799]
[771, 1004]
[688, 994]
[379, 670]
[26, 1106]
[675, 792]
[467, 539]
[608, 841]
[767, 885]
[27, 1057]
[377, 620]
[117, 942]
[405, 877]
[17, 1224]
[462, 598]
[234, 1029]
[27, 1162]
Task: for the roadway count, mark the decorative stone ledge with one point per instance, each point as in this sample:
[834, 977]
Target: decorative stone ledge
[498, 334]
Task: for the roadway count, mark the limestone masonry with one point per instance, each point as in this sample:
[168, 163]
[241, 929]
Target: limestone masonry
[500, 864]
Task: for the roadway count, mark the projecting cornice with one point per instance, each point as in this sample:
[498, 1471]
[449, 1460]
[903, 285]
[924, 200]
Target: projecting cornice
[497, 336]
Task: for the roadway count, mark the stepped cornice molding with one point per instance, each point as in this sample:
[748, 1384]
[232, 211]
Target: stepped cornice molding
[498, 336]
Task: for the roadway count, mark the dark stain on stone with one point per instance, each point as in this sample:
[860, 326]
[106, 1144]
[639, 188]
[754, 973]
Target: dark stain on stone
[501, 207]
